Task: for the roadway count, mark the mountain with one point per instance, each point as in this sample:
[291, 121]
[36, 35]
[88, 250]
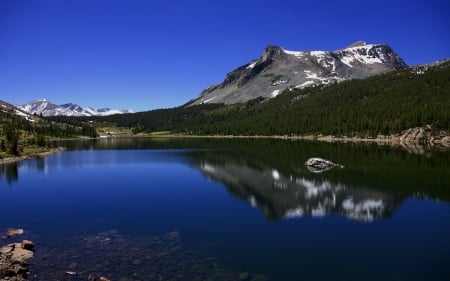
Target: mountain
[6, 108]
[47, 108]
[278, 69]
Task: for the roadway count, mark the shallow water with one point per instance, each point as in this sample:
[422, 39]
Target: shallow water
[143, 209]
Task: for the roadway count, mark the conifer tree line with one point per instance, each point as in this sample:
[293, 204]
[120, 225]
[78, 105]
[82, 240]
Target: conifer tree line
[384, 104]
[16, 132]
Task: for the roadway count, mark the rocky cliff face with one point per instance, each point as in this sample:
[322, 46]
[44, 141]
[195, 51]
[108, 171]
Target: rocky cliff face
[278, 69]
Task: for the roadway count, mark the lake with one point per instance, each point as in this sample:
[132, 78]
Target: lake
[211, 209]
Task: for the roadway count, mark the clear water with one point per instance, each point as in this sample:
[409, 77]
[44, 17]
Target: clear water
[143, 209]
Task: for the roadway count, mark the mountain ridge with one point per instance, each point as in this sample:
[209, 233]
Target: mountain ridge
[46, 108]
[8, 108]
[279, 69]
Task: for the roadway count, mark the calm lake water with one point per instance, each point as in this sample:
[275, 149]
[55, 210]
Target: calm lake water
[143, 209]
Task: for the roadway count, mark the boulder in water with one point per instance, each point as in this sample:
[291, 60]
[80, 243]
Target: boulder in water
[319, 165]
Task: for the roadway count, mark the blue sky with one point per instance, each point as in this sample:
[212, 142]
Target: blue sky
[159, 54]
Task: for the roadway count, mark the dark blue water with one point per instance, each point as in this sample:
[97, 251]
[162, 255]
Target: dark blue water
[252, 206]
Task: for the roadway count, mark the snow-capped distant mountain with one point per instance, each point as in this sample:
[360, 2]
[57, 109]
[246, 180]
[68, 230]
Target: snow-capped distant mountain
[278, 69]
[47, 108]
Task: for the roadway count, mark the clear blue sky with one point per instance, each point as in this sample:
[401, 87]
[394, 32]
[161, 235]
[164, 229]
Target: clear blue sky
[158, 54]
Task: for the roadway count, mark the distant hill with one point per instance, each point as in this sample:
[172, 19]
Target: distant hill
[278, 69]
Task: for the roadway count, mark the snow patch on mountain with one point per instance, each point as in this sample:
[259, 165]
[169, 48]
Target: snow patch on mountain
[252, 65]
[305, 84]
[362, 55]
[295, 53]
[275, 93]
[24, 115]
[319, 54]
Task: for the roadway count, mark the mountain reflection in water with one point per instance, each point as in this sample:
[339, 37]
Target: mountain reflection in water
[289, 196]
[271, 175]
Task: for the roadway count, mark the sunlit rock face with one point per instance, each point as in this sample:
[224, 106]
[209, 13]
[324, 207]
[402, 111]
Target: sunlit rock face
[288, 196]
[279, 69]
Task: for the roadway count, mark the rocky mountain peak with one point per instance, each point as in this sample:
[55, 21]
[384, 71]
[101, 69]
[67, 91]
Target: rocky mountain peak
[376, 55]
[278, 69]
[272, 52]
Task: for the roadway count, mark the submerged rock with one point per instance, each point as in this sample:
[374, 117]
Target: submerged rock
[243, 276]
[27, 245]
[14, 260]
[11, 232]
[319, 165]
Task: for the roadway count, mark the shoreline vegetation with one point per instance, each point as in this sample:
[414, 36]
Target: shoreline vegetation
[414, 140]
[413, 136]
[31, 155]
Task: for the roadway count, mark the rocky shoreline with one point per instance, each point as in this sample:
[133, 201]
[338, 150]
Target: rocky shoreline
[30, 156]
[15, 257]
[415, 140]
[417, 136]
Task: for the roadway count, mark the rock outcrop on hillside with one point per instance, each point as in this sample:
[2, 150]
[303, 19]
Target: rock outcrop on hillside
[417, 139]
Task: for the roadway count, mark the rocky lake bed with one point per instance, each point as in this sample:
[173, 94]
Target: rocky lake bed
[110, 255]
